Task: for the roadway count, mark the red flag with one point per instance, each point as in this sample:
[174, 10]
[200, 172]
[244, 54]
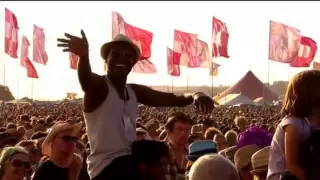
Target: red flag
[31, 70]
[173, 62]
[307, 50]
[144, 66]
[214, 70]
[11, 34]
[284, 42]
[24, 51]
[74, 59]
[186, 44]
[39, 52]
[220, 39]
[142, 38]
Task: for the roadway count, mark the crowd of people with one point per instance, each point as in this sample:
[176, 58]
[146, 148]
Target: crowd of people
[25, 127]
[130, 131]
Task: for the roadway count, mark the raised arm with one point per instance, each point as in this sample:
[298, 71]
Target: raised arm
[85, 74]
[80, 47]
[150, 97]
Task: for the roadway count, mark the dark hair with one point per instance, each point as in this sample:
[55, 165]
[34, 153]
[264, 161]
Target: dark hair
[24, 117]
[177, 117]
[149, 152]
[11, 125]
[38, 135]
[299, 99]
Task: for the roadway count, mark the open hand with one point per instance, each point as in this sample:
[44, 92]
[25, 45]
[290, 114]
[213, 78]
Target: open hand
[203, 102]
[74, 44]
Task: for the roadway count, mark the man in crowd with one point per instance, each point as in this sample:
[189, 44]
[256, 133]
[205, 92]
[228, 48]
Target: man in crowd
[110, 105]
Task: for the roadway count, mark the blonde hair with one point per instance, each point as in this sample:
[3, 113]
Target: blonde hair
[231, 137]
[209, 167]
[241, 120]
[7, 153]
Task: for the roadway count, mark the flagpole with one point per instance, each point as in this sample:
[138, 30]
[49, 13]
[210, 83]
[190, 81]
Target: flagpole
[268, 68]
[172, 64]
[32, 95]
[4, 72]
[188, 82]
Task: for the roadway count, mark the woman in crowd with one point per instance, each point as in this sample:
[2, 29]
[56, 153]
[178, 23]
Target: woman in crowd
[14, 163]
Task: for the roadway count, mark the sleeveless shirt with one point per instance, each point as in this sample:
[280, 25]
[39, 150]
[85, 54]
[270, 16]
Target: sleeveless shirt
[111, 129]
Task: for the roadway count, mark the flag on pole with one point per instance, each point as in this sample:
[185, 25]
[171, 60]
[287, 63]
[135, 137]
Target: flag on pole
[307, 50]
[173, 62]
[25, 44]
[284, 42]
[31, 70]
[220, 38]
[39, 52]
[11, 34]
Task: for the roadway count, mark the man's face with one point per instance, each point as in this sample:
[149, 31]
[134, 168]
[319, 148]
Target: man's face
[121, 59]
[180, 133]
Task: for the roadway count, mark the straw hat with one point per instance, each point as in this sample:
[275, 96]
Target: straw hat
[54, 131]
[260, 160]
[242, 157]
[120, 38]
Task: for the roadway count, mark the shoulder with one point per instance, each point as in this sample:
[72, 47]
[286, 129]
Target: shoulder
[295, 121]
[42, 171]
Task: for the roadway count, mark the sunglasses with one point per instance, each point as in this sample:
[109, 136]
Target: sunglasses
[18, 163]
[69, 138]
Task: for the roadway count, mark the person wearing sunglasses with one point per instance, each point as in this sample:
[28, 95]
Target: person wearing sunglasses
[14, 163]
[59, 147]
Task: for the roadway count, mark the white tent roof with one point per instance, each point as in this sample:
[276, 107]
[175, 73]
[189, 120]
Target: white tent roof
[234, 99]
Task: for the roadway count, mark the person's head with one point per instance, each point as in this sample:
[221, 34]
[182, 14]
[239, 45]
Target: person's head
[178, 127]
[141, 134]
[61, 140]
[153, 158]
[14, 163]
[211, 166]
[39, 137]
[211, 132]
[31, 147]
[221, 142]
[302, 98]
[231, 137]
[242, 160]
[120, 55]
[260, 161]
[241, 122]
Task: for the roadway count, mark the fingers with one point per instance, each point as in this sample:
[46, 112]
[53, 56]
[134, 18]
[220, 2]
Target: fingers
[83, 34]
[63, 45]
[71, 36]
[63, 40]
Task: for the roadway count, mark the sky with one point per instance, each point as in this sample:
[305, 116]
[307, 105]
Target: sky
[247, 22]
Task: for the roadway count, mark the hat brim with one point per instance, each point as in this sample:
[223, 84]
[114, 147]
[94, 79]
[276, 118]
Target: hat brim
[258, 171]
[105, 49]
[46, 145]
[193, 157]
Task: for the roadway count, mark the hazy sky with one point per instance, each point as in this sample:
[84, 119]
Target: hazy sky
[247, 22]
